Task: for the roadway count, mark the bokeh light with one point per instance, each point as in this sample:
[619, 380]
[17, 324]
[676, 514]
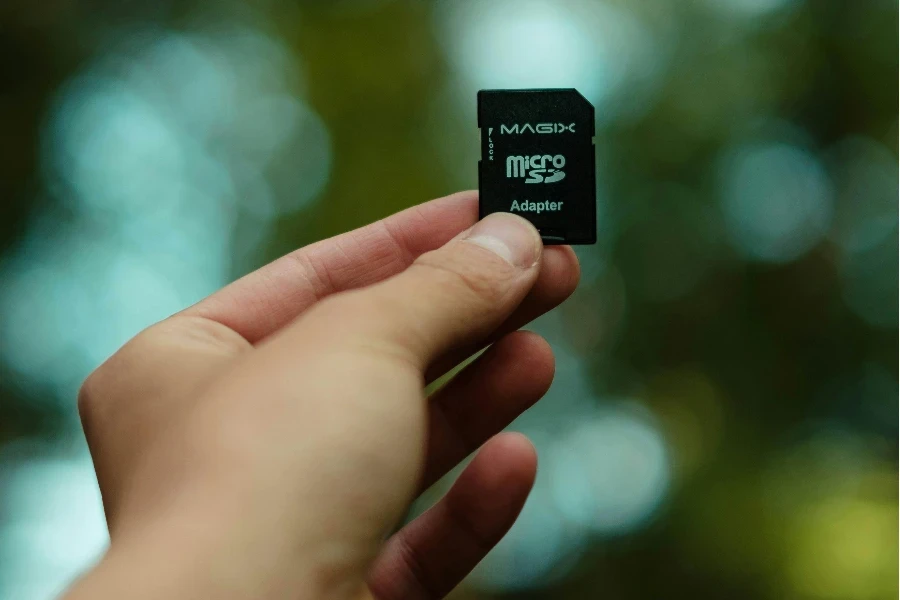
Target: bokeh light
[159, 148]
[866, 182]
[837, 502]
[845, 549]
[604, 471]
[777, 200]
[753, 9]
[866, 228]
[611, 471]
[601, 48]
[59, 526]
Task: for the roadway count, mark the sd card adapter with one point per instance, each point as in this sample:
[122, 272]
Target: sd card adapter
[537, 161]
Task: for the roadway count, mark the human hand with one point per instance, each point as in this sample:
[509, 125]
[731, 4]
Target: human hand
[262, 443]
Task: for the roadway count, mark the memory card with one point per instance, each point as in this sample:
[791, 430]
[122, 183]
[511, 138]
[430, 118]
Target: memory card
[537, 161]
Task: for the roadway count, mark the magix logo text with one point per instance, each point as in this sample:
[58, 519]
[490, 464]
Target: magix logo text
[539, 128]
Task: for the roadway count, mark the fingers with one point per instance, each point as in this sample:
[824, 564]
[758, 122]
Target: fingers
[264, 301]
[448, 298]
[430, 556]
[484, 398]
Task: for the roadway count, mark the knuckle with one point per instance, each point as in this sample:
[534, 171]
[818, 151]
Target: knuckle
[145, 365]
[97, 388]
[105, 382]
[88, 394]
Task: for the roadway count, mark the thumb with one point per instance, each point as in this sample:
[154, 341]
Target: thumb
[450, 297]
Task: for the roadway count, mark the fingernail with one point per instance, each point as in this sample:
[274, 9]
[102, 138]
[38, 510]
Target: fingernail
[509, 236]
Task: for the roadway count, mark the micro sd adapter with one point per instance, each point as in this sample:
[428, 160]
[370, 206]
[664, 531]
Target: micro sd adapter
[537, 161]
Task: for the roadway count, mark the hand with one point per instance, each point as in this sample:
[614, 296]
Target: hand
[262, 443]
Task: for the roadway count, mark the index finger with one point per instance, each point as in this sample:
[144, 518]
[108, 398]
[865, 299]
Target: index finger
[264, 301]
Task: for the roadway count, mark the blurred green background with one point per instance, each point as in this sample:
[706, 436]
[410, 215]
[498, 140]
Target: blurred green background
[724, 421]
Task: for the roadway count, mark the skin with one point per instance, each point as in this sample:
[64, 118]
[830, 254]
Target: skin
[264, 442]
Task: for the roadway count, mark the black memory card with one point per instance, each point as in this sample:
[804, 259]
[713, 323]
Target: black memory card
[537, 161]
